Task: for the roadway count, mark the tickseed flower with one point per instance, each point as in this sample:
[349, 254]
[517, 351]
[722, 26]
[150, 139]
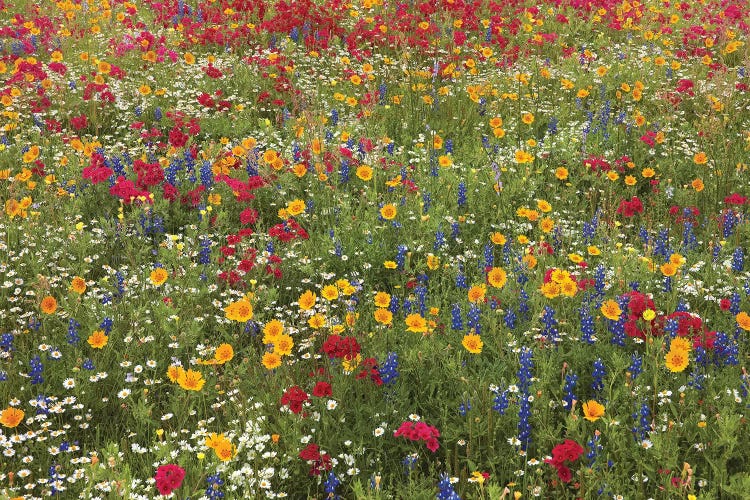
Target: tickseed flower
[498, 238]
[700, 158]
[78, 285]
[364, 173]
[173, 373]
[676, 360]
[295, 207]
[497, 277]
[159, 276]
[668, 269]
[98, 339]
[307, 300]
[48, 305]
[241, 311]
[561, 173]
[388, 211]
[283, 345]
[383, 316]
[680, 344]
[611, 310]
[593, 250]
[476, 293]
[224, 353]
[11, 417]
[272, 331]
[382, 299]
[593, 410]
[416, 323]
[191, 380]
[330, 292]
[271, 360]
[473, 343]
[743, 320]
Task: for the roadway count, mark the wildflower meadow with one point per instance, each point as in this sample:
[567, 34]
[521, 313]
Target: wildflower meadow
[374, 249]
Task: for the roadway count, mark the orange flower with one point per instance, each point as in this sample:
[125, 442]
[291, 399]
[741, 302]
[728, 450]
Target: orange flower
[98, 339]
[472, 343]
[382, 299]
[191, 380]
[698, 185]
[307, 300]
[611, 310]
[388, 211]
[743, 320]
[593, 410]
[173, 372]
[676, 360]
[271, 360]
[241, 311]
[476, 293]
[561, 173]
[78, 285]
[159, 276]
[416, 323]
[383, 316]
[11, 417]
[224, 353]
[700, 158]
[497, 277]
[48, 305]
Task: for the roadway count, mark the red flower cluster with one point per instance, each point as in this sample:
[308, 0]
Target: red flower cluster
[637, 303]
[319, 462]
[420, 432]
[568, 451]
[168, 478]
[630, 208]
[294, 397]
[336, 346]
[288, 230]
[370, 369]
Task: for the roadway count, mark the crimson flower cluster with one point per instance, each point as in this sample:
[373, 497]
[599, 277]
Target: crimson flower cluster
[630, 208]
[168, 478]
[294, 397]
[319, 462]
[420, 431]
[337, 346]
[568, 451]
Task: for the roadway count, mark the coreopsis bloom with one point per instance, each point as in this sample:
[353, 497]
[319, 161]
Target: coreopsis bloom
[473, 343]
[78, 285]
[382, 299]
[388, 211]
[241, 311]
[416, 323]
[383, 316]
[676, 360]
[476, 293]
[680, 344]
[743, 320]
[611, 310]
[593, 410]
[224, 353]
[330, 292]
[98, 339]
[271, 360]
[11, 417]
[283, 345]
[191, 380]
[307, 300]
[159, 276]
[497, 277]
[48, 305]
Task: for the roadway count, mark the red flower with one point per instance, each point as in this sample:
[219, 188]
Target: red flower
[168, 478]
[725, 304]
[322, 389]
[294, 397]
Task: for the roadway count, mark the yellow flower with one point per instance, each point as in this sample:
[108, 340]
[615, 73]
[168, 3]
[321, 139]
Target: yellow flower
[497, 277]
[445, 161]
[271, 360]
[611, 310]
[680, 344]
[330, 292]
[476, 293]
[543, 205]
[78, 285]
[295, 207]
[316, 321]
[649, 314]
[272, 330]
[307, 300]
[433, 262]
[364, 173]
[561, 173]
[389, 264]
[550, 289]
[191, 380]
[283, 345]
[241, 311]
[593, 250]
[668, 269]
[569, 288]
[593, 410]
[383, 316]
[527, 118]
[159, 276]
[676, 360]
[416, 323]
[224, 353]
[382, 299]
[498, 238]
[388, 211]
[98, 339]
[173, 372]
[743, 320]
[700, 158]
[472, 343]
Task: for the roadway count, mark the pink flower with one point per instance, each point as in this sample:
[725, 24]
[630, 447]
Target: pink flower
[169, 478]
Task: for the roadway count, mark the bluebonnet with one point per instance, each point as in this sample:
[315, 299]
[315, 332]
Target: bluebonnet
[595, 448]
[587, 324]
[598, 374]
[636, 366]
[726, 350]
[472, 318]
[73, 337]
[464, 408]
[570, 384]
[617, 328]
[401, 256]
[214, 486]
[510, 319]
[426, 202]
[344, 172]
[689, 240]
[88, 364]
[456, 320]
[448, 146]
[330, 486]
[489, 255]
[446, 491]
[454, 230]
[439, 240]
[393, 306]
[461, 280]
[36, 370]
[738, 260]
[6, 342]
[409, 462]
[549, 330]
[734, 303]
[729, 223]
[389, 369]
[643, 425]
[524, 384]
[500, 402]
[661, 244]
[204, 254]
[523, 305]
[461, 194]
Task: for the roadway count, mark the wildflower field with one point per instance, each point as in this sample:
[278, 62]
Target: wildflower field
[379, 249]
